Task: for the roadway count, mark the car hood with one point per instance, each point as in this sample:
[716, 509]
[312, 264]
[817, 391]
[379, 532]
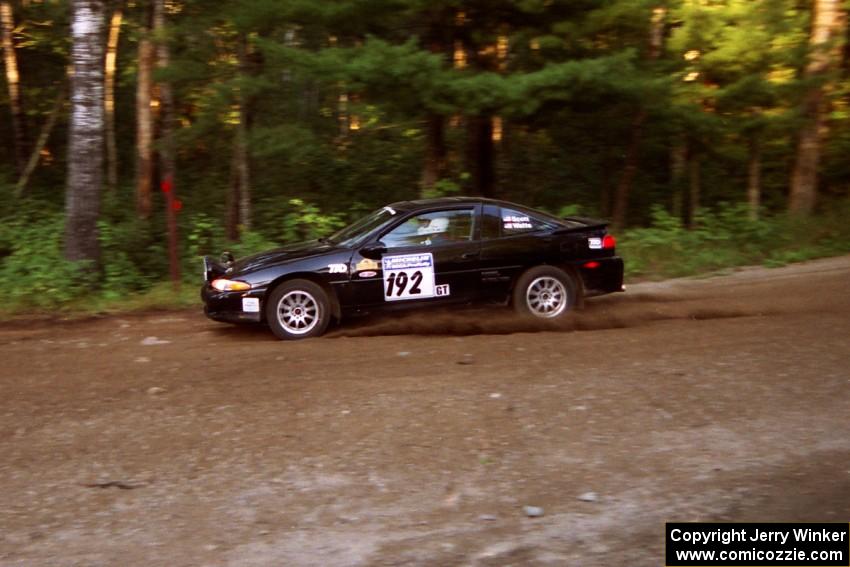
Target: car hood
[280, 255]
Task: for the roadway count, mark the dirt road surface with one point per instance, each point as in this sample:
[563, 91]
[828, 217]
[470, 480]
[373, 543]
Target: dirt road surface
[167, 439]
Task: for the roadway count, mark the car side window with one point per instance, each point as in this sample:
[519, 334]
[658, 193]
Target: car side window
[431, 229]
[491, 222]
[519, 222]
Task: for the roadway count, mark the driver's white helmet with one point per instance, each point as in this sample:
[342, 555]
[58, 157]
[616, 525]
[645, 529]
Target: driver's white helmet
[435, 226]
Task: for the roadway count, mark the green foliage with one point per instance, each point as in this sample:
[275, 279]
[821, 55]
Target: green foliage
[122, 273]
[31, 252]
[572, 210]
[36, 274]
[298, 220]
[340, 100]
[205, 236]
[251, 243]
[726, 237]
[442, 188]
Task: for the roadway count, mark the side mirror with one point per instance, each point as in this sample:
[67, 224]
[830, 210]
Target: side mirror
[373, 251]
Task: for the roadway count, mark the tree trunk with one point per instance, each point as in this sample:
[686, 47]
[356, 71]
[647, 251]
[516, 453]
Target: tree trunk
[10, 58]
[231, 222]
[480, 154]
[85, 145]
[694, 190]
[606, 188]
[144, 124]
[434, 166]
[621, 195]
[804, 176]
[43, 136]
[109, 99]
[678, 162]
[754, 178]
[242, 153]
[828, 24]
[167, 166]
[630, 167]
[239, 199]
[439, 40]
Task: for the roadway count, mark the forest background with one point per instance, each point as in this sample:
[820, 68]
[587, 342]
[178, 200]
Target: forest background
[140, 135]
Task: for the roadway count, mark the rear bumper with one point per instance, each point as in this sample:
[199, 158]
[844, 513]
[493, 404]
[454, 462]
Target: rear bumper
[602, 275]
[227, 306]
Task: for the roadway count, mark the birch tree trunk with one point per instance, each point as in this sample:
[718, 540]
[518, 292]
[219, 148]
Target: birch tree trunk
[829, 21]
[144, 123]
[10, 59]
[109, 99]
[85, 145]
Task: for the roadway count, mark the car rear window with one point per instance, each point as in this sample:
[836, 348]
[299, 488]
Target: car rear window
[513, 222]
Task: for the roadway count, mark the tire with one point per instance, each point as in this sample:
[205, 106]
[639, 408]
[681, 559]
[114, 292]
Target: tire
[298, 309]
[544, 292]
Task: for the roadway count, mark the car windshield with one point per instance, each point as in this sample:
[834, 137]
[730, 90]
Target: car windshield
[354, 233]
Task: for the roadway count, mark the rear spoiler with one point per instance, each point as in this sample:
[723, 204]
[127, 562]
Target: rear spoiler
[584, 223]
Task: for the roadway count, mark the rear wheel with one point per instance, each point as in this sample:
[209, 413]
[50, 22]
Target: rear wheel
[544, 292]
[298, 309]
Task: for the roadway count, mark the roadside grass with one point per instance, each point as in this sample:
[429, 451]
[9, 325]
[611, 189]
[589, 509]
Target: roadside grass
[725, 239]
[44, 285]
[160, 297]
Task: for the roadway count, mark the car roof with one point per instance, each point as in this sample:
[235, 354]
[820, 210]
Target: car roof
[420, 204]
[425, 204]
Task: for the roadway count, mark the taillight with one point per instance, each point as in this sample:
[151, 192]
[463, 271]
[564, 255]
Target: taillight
[609, 242]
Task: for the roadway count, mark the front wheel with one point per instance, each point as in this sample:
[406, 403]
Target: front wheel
[544, 292]
[298, 309]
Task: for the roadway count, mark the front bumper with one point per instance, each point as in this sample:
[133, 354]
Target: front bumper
[227, 306]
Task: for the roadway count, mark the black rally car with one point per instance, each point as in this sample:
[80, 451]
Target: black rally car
[419, 254]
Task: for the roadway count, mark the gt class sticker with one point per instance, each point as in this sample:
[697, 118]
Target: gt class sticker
[409, 276]
[251, 304]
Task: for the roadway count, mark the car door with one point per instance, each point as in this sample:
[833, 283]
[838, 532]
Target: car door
[512, 240]
[431, 257]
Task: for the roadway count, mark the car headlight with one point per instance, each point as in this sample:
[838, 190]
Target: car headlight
[230, 285]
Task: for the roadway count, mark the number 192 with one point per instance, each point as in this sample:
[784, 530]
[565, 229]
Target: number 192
[397, 282]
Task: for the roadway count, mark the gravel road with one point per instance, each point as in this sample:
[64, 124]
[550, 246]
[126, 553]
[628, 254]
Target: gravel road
[167, 439]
